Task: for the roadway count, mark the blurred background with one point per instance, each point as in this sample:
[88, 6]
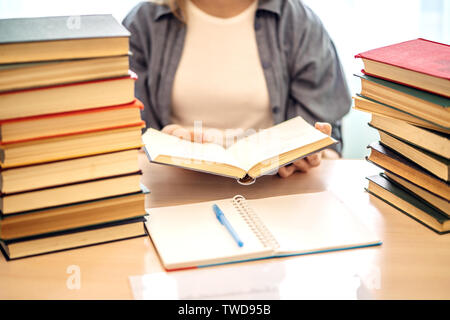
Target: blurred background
[354, 25]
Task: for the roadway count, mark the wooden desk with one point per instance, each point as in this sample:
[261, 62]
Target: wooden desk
[412, 263]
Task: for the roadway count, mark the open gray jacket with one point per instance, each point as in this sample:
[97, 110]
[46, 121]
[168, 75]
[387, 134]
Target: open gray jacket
[303, 74]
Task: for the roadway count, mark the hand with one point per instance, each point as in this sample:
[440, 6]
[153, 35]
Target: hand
[307, 163]
[183, 133]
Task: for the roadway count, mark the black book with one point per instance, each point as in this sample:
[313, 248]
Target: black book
[74, 238]
[58, 38]
[381, 187]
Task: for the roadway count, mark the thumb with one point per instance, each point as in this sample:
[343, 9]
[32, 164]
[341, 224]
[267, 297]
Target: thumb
[324, 127]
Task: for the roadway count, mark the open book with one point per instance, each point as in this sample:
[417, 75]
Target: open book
[247, 159]
[191, 235]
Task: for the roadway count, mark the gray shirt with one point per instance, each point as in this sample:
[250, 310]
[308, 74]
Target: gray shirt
[302, 69]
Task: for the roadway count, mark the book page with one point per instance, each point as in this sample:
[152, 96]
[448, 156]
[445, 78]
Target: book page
[191, 235]
[158, 143]
[269, 143]
[311, 222]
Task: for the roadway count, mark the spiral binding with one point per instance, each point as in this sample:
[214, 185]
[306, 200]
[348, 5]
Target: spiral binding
[254, 222]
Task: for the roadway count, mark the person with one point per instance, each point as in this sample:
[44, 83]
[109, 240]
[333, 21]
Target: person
[236, 64]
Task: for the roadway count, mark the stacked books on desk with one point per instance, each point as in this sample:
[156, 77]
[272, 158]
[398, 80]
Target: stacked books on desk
[70, 133]
[406, 88]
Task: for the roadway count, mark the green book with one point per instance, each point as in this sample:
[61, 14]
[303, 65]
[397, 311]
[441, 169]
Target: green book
[397, 197]
[420, 94]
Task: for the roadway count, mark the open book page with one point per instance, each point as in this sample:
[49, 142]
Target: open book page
[161, 144]
[269, 143]
[311, 222]
[191, 235]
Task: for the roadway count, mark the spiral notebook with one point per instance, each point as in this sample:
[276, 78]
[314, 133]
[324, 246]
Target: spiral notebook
[190, 235]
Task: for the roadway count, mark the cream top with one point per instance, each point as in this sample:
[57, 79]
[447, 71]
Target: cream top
[220, 80]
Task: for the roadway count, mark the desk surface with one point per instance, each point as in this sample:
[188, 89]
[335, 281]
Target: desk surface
[412, 263]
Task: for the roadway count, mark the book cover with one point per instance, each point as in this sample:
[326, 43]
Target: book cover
[85, 231]
[60, 28]
[402, 195]
[416, 93]
[397, 157]
[419, 55]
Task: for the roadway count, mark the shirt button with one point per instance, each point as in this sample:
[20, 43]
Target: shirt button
[276, 109]
[266, 65]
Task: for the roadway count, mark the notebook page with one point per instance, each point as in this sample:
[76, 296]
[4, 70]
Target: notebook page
[266, 144]
[158, 143]
[311, 222]
[191, 235]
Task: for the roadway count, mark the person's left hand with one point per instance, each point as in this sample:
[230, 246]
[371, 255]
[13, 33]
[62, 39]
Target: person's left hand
[305, 164]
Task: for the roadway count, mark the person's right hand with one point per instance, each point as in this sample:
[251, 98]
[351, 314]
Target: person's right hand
[183, 133]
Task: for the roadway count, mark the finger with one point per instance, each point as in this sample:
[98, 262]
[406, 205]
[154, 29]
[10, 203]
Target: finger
[302, 165]
[324, 127]
[182, 133]
[169, 129]
[285, 172]
[315, 159]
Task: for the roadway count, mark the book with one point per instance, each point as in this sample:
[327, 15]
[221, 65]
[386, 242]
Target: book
[82, 237]
[436, 202]
[64, 37]
[366, 104]
[439, 166]
[418, 63]
[248, 158]
[66, 97]
[69, 123]
[71, 193]
[433, 141]
[406, 203]
[69, 147]
[392, 161]
[75, 170]
[16, 76]
[427, 106]
[72, 216]
[190, 236]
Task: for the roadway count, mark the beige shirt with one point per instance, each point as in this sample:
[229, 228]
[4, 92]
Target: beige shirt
[220, 80]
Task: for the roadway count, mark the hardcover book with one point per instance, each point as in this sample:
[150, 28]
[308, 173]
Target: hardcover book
[433, 141]
[427, 106]
[369, 105]
[418, 63]
[58, 38]
[80, 237]
[392, 161]
[382, 188]
[67, 97]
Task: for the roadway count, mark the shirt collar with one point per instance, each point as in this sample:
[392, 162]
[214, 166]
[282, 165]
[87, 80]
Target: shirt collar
[266, 5]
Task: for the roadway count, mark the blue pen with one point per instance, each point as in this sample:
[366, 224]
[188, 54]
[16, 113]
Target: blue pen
[223, 220]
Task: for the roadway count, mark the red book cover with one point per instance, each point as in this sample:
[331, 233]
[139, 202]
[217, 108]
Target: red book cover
[419, 55]
[65, 116]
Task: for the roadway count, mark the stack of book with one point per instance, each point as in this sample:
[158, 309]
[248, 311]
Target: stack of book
[70, 133]
[406, 88]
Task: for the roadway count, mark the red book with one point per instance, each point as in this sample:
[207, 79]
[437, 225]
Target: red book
[418, 63]
[67, 97]
[69, 123]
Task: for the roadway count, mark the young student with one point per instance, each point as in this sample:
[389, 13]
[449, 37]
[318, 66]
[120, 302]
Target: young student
[232, 64]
